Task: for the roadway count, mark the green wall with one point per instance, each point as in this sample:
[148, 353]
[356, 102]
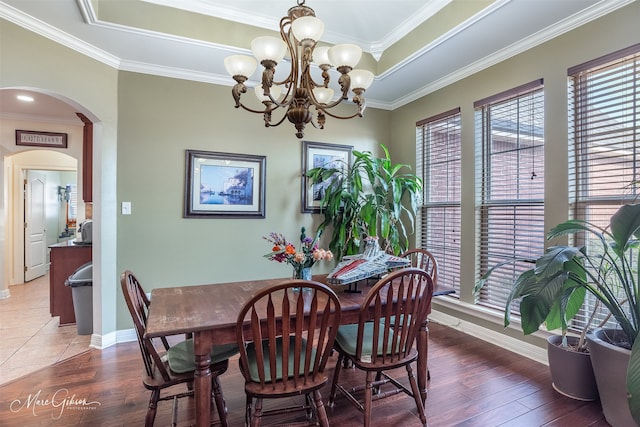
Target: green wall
[159, 118]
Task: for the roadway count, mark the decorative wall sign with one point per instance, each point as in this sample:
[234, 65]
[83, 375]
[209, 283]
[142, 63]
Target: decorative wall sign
[41, 139]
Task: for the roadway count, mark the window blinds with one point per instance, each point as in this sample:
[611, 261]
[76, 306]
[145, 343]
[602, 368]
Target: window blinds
[510, 168]
[438, 150]
[604, 151]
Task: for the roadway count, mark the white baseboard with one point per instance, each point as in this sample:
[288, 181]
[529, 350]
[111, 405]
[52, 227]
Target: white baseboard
[5, 294]
[126, 335]
[522, 348]
[103, 341]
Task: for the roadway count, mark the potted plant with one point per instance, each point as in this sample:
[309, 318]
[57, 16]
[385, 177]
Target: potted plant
[370, 198]
[569, 360]
[609, 271]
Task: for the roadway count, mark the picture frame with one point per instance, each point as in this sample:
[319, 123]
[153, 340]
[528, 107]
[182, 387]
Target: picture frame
[316, 154]
[34, 138]
[224, 185]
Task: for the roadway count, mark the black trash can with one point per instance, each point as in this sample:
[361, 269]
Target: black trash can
[81, 284]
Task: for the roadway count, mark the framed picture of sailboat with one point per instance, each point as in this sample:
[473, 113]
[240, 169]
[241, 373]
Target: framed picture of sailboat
[224, 185]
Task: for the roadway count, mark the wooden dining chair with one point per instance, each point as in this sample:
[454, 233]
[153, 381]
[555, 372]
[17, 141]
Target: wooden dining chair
[171, 365]
[285, 338]
[390, 318]
[422, 258]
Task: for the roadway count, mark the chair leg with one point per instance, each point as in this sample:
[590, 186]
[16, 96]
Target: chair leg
[219, 400]
[256, 417]
[336, 376]
[416, 395]
[174, 412]
[310, 406]
[320, 409]
[153, 407]
[368, 398]
[248, 411]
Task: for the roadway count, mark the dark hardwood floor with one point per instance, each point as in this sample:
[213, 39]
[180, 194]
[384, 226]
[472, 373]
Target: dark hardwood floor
[473, 384]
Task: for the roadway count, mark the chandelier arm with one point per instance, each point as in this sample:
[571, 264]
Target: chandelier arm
[278, 123]
[335, 116]
[251, 110]
[285, 35]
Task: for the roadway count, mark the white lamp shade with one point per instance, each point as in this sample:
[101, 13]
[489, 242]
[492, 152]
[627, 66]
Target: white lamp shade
[361, 79]
[323, 94]
[307, 27]
[240, 65]
[275, 91]
[267, 47]
[345, 54]
[321, 55]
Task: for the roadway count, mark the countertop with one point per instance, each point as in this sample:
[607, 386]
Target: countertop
[70, 244]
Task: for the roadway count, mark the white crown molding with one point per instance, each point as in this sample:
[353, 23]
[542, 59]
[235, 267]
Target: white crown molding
[423, 14]
[444, 37]
[85, 6]
[176, 73]
[42, 28]
[227, 12]
[602, 8]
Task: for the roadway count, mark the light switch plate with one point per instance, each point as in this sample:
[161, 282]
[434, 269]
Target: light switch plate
[126, 208]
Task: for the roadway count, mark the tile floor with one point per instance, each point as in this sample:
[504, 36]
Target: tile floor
[30, 338]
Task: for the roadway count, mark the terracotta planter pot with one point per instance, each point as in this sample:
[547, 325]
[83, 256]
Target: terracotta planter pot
[571, 371]
[610, 368]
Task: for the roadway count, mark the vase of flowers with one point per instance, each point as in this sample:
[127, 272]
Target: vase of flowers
[302, 258]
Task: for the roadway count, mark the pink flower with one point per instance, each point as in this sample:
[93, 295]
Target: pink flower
[328, 255]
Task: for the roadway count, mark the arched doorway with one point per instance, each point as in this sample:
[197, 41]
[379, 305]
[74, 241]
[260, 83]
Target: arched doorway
[61, 166]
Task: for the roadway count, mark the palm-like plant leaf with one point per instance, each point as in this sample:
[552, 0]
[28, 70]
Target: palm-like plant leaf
[368, 199]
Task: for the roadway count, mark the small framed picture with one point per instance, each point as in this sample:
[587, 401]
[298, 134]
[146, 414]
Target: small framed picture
[315, 155]
[224, 185]
[41, 139]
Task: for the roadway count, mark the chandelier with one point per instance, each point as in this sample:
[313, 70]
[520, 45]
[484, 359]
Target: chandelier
[300, 31]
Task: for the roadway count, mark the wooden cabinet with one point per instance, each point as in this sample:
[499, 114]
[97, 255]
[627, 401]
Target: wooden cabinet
[65, 259]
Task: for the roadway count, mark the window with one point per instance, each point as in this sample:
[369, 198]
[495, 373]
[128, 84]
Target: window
[438, 164]
[510, 207]
[604, 151]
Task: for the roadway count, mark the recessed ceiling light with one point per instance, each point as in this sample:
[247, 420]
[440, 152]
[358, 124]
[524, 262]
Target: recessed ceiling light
[25, 98]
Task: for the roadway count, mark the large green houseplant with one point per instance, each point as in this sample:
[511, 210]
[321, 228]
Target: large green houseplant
[373, 197]
[555, 288]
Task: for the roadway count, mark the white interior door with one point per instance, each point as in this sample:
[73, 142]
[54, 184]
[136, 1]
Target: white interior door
[35, 232]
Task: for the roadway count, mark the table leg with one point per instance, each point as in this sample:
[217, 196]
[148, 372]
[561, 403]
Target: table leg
[202, 380]
[422, 343]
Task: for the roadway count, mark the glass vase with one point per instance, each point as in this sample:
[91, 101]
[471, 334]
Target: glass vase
[303, 273]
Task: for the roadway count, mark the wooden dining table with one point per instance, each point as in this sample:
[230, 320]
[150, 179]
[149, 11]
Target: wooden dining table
[210, 313]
